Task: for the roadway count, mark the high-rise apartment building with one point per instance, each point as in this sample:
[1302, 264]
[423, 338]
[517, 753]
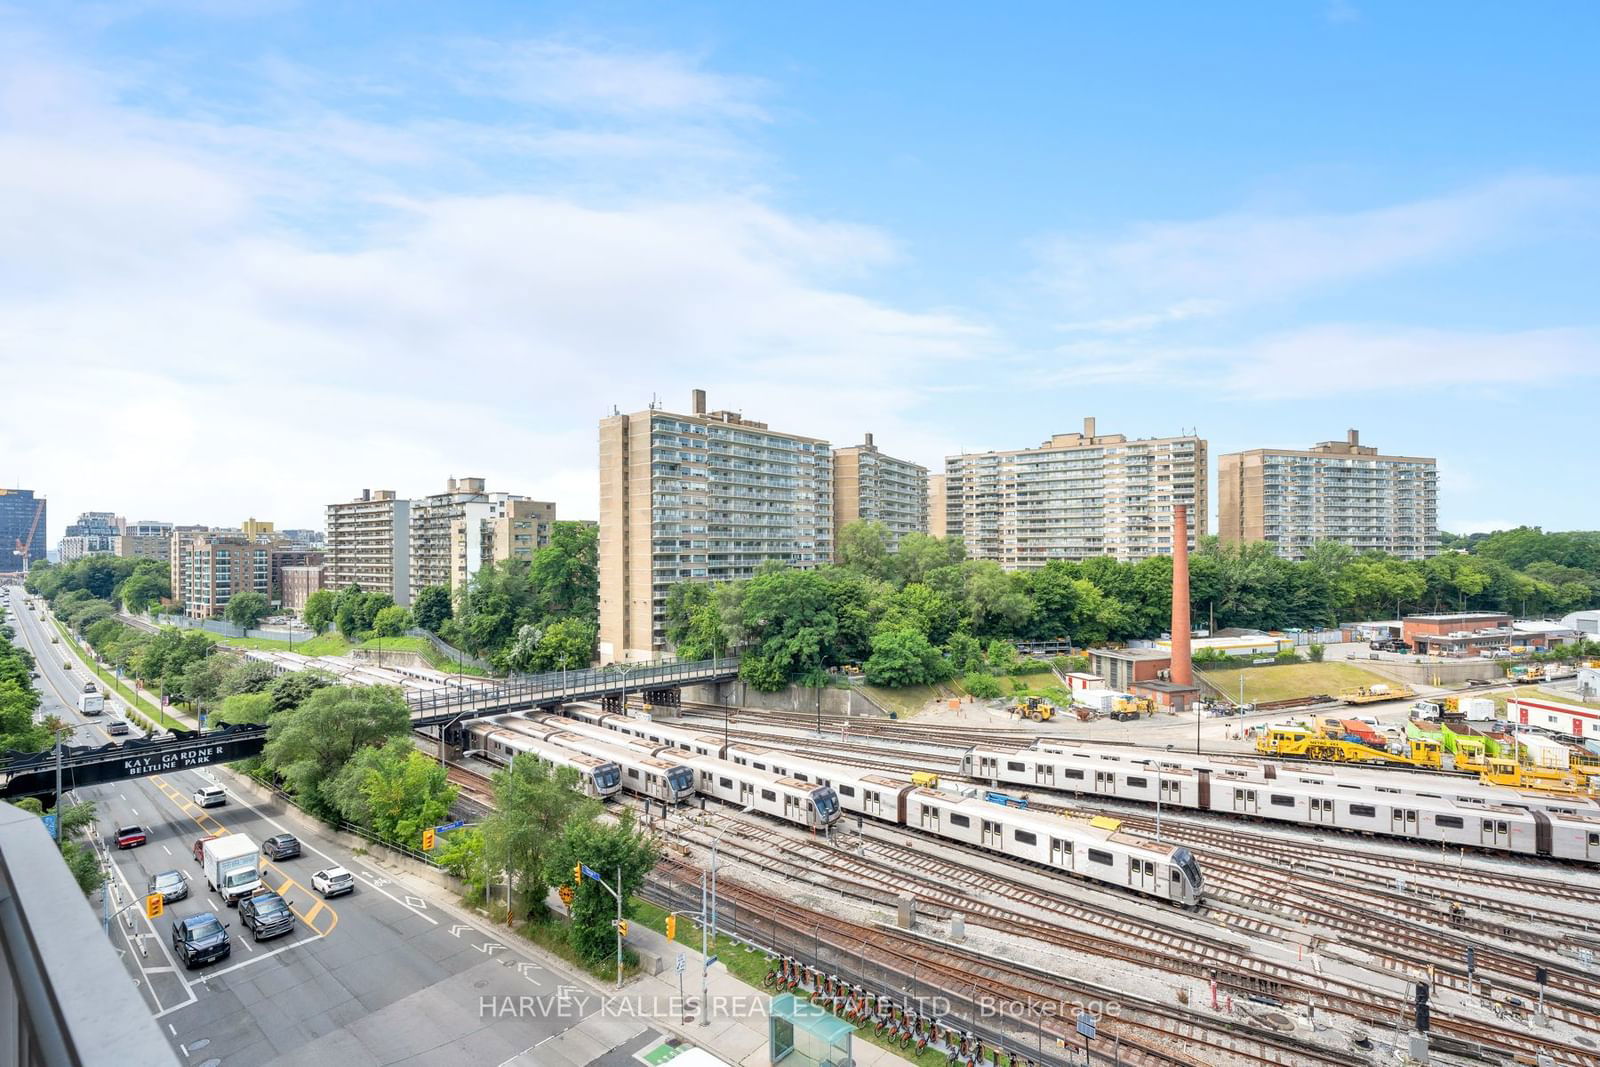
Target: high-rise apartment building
[208, 567]
[871, 486]
[369, 544]
[519, 533]
[22, 521]
[936, 506]
[453, 533]
[94, 534]
[1340, 491]
[145, 540]
[702, 497]
[1076, 496]
[297, 585]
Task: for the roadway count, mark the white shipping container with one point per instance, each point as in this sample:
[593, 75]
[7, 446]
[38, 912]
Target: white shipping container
[1477, 709]
[1543, 752]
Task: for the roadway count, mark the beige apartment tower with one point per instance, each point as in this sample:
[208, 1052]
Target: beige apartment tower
[369, 544]
[1076, 496]
[937, 526]
[701, 497]
[870, 486]
[1340, 491]
[453, 532]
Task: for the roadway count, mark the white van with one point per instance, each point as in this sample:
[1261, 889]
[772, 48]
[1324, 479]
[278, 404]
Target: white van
[210, 796]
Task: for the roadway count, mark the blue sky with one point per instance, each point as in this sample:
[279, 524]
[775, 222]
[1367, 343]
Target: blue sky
[257, 256]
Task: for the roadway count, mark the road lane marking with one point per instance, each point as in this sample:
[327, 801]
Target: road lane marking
[167, 850]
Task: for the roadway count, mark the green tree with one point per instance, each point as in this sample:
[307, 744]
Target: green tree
[142, 590]
[566, 572]
[310, 744]
[432, 607]
[319, 610]
[17, 728]
[533, 803]
[393, 790]
[1315, 652]
[203, 679]
[249, 676]
[392, 621]
[607, 849]
[246, 609]
[253, 708]
[863, 546]
[295, 688]
[982, 686]
[904, 657]
[565, 644]
[694, 625]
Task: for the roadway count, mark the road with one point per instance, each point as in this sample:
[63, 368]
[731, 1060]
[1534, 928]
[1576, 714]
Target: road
[393, 973]
[58, 687]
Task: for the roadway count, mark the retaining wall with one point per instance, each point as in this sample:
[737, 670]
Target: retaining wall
[798, 698]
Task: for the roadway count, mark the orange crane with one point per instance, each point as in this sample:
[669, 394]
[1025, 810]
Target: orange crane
[33, 528]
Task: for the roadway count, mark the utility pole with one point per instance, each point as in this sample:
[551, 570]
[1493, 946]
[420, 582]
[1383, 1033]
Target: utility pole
[617, 893]
[55, 828]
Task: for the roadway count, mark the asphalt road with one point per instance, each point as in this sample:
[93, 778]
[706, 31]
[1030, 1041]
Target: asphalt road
[59, 688]
[390, 974]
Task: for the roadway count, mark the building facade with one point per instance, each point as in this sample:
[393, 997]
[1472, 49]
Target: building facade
[145, 540]
[701, 497]
[298, 583]
[1340, 491]
[873, 487]
[94, 534]
[1076, 496]
[1458, 633]
[208, 567]
[369, 544]
[22, 522]
[523, 530]
[453, 533]
[936, 506]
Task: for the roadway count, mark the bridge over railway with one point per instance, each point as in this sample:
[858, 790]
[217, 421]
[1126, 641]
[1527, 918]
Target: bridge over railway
[439, 709]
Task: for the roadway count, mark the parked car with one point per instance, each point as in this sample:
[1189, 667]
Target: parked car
[265, 915]
[172, 885]
[333, 882]
[200, 939]
[281, 847]
[210, 796]
[130, 836]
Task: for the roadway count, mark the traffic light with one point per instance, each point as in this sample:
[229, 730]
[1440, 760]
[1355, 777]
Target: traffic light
[672, 927]
[577, 874]
[154, 904]
[622, 927]
[427, 839]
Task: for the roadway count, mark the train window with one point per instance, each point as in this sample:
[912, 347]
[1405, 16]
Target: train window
[1070, 772]
[761, 766]
[1449, 822]
[801, 777]
[1282, 801]
[1149, 868]
[1026, 837]
[1013, 765]
[959, 820]
[1137, 783]
[1346, 785]
[1499, 827]
[633, 772]
[1594, 839]
[767, 794]
[1431, 796]
[1363, 811]
[726, 783]
[1100, 856]
[847, 790]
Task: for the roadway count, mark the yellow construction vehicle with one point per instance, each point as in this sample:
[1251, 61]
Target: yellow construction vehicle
[1502, 770]
[1036, 708]
[1132, 708]
[1299, 743]
[1376, 693]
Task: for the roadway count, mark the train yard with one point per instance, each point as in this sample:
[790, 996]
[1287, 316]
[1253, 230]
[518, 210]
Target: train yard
[1310, 946]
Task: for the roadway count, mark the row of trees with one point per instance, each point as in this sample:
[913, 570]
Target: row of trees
[357, 613]
[136, 583]
[924, 612]
[19, 701]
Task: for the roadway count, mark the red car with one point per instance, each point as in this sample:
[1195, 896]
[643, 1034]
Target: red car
[130, 836]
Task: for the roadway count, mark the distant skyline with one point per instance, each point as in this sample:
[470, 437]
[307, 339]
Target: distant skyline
[256, 256]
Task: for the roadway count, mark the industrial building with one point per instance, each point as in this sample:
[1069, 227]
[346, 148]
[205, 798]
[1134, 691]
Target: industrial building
[871, 486]
[1340, 491]
[1076, 496]
[700, 497]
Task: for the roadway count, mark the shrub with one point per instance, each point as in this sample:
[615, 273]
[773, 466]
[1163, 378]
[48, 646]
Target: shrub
[1314, 652]
[1288, 655]
[982, 686]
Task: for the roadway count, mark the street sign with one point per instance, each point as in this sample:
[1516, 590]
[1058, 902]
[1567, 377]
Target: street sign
[49, 824]
[680, 964]
[1086, 1024]
[447, 827]
[587, 873]
[711, 959]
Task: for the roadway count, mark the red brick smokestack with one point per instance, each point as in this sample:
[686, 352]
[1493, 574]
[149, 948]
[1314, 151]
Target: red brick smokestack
[1182, 671]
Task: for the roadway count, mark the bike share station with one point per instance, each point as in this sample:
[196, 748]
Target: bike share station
[804, 1035]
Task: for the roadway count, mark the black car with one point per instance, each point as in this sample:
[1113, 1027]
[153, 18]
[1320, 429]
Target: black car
[200, 939]
[172, 885]
[281, 847]
[266, 915]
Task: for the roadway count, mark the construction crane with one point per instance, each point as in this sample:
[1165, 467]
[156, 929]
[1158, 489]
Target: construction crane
[33, 528]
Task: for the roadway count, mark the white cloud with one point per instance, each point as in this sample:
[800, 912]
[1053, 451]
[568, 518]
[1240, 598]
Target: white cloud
[1159, 272]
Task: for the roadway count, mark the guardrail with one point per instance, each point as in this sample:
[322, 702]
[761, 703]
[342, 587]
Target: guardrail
[561, 686]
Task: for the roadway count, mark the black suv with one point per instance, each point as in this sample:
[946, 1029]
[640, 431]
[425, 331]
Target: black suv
[281, 847]
[200, 939]
[266, 915]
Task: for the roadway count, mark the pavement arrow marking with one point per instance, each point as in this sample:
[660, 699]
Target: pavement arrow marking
[455, 931]
[489, 948]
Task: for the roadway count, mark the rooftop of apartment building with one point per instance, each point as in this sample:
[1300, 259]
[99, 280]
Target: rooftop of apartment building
[1350, 446]
[1088, 437]
[698, 412]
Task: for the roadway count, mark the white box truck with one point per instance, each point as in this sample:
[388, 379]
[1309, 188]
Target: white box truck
[91, 703]
[233, 867]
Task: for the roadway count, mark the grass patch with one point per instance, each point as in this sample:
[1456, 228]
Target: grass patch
[1533, 692]
[550, 934]
[421, 646]
[912, 699]
[321, 645]
[1289, 681]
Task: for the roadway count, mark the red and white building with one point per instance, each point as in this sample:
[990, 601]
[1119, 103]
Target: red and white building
[1571, 719]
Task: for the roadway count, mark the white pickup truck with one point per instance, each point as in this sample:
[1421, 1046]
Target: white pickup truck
[233, 867]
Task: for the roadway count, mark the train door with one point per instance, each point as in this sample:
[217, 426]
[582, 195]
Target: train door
[747, 794]
[1403, 821]
[1321, 810]
[1061, 853]
[1204, 802]
[1495, 834]
[1105, 783]
[1044, 772]
[1244, 799]
[1171, 790]
[1592, 848]
[989, 767]
[930, 818]
[1142, 875]
[788, 808]
[1543, 833]
[991, 834]
[872, 803]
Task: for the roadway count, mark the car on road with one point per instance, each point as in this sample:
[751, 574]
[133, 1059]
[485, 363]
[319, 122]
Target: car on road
[333, 882]
[266, 914]
[172, 885]
[281, 847]
[200, 939]
[88, 687]
[116, 727]
[210, 796]
[200, 849]
[130, 836]
[65, 665]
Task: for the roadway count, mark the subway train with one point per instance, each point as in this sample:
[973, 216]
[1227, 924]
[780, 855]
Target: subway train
[1101, 853]
[1457, 814]
[665, 780]
[597, 777]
